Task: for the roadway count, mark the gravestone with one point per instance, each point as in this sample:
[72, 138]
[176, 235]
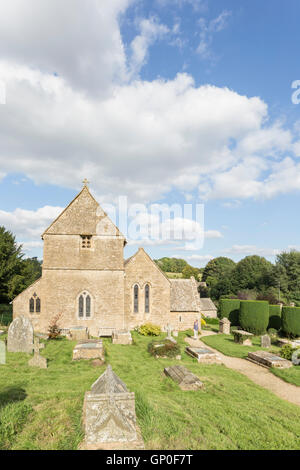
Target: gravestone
[20, 336]
[224, 326]
[38, 360]
[185, 378]
[204, 355]
[91, 349]
[2, 353]
[78, 333]
[121, 337]
[265, 341]
[109, 415]
[296, 358]
[267, 359]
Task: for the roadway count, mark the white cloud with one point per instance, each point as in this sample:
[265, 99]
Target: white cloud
[207, 31]
[150, 31]
[252, 250]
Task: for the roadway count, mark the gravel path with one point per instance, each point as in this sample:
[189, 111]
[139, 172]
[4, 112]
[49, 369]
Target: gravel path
[256, 373]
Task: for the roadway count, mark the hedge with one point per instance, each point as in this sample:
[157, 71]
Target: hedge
[291, 320]
[274, 317]
[254, 316]
[5, 314]
[229, 308]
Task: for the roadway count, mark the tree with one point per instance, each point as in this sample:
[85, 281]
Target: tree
[189, 271]
[252, 272]
[217, 269]
[171, 265]
[287, 274]
[29, 271]
[10, 262]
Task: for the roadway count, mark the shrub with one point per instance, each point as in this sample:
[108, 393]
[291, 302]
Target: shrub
[274, 317]
[287, 351]
[163, 348]
[53, 329]
[272, 332]
[291, 321]
[229, 308]
[254, 316]
[148, 329]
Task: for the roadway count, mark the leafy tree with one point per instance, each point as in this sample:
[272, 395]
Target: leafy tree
[252, 272]
[287, 273]
[171, 265]
[10, 262]
[189, 271]
[217, 269]
[223, 287]
[29, 271]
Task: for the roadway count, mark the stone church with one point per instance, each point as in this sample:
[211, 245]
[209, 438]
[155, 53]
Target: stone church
[86, 279]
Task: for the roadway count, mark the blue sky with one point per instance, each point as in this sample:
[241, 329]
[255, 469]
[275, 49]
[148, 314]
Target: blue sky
[163, 102]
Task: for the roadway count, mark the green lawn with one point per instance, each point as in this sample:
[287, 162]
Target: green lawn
[226, 345]
[41, 409]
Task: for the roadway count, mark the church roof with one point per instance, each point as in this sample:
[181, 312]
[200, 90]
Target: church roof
[141, 250]
[207, 304]
[184, 295]
[83, 216]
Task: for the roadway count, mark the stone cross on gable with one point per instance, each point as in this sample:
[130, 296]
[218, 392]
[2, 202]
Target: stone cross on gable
[37, 346]
[85, 182]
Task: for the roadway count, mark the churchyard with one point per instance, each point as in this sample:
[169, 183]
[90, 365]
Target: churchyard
[43, 408]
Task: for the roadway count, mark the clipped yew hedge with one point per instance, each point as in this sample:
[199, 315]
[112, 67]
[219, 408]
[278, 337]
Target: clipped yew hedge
[254, 316]
[274, 317]
[229, 308]
[291, 321]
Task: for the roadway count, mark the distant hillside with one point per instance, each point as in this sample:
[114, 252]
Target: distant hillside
[177, 268]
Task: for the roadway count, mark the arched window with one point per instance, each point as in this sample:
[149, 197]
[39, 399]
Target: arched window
[84, 305]
[136, 298]
[147, 298]
[31, 305]
[38, 305]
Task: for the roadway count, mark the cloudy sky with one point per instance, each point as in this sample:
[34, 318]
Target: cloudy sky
[162, 101]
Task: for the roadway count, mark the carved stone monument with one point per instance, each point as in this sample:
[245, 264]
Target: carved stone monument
[109, 415]
[91, 349]
[224, 326]
[38, 360]
[20, 336]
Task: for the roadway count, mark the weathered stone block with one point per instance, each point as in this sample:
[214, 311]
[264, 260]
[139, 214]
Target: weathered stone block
[121, 337]
[79, 333]
[204, 355]
[92, 349]
[224, 326]
[242, 337]
[109, 415]
[185, 378]
[267, 359]
[265, 341]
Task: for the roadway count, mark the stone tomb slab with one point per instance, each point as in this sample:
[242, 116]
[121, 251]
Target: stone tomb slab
[79, 333]
[183, 377]
[242, 337]
[267, 359]
[91, 349]
[204, 355]
[121, 337]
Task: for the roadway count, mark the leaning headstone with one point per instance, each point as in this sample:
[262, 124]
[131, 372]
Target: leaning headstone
[109, 415]
[204, 355]
[2, 353]
[20, 335]
[169, 334]
[224, 326]
[121, 337]
[38, 360]
[265, 341]
[91, 349]
[185, 378]
[267, 359]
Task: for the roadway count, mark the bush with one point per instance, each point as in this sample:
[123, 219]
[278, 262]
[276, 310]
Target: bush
[164, 348]
[5, 314]
[272, 332]
[229, 308]
[291, 321]
[274, 317]
[254, 316]
[148, 329]
[287, 351]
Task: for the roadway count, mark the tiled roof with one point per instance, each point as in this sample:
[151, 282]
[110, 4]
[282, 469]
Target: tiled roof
[184, 295]
[207, 304]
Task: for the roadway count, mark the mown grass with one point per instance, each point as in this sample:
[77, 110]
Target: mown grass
[226, 345]
[41, 409]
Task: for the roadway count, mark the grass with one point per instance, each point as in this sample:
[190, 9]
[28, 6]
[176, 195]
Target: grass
[226, 345]
[41, 409]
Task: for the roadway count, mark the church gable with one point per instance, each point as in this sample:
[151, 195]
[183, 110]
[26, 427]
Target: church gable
[83, 216]
[141, 264]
